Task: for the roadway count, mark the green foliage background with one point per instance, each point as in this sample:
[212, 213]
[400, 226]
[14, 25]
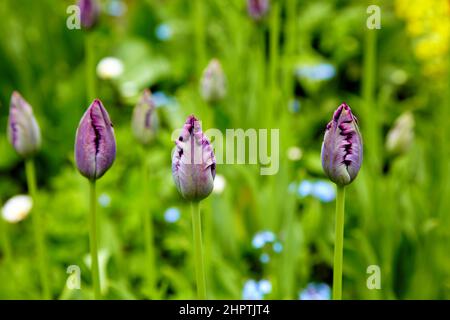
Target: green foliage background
[397, 210]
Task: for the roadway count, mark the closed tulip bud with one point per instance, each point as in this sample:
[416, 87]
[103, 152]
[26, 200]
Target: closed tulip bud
[23, 130]
[213, 83]
[89, 12]
[144, 122]
[342, 149]
[193, 162]
[401, 136]
[95, 144]
[257, 9]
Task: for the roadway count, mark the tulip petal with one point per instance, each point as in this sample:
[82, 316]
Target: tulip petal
[89, 12]
[257, 9]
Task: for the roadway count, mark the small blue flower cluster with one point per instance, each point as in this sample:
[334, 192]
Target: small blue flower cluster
[104, 200]
[163, 32]
[294, 106]
[256, 290]
[323, 190]
[161, 99]
[172, 215]
[116, 8]
[264, 240]
[318, 72]
[315, 291]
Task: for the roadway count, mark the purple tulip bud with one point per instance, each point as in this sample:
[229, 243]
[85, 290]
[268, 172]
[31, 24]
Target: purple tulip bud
[213, 84]
[342, 149]
[23, 130]
[257, 9]
[89, 12]
[144, 122]
[95, 145]
[193, 162]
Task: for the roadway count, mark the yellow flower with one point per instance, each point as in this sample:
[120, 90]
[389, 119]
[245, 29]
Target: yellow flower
[428, 24]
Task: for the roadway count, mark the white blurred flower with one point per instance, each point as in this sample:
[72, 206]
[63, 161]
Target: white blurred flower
[294, 153]
[109, 68]
[17, 208]
[219, 184]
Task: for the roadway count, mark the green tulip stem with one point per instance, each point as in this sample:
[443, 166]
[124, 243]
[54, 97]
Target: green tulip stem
[93, 242]
[89, 52]
[150, 268]
[199, 33]
[198, 251]
[7, 252]
[39, 237]
[369, 108]
[338, 244]
[274, 52]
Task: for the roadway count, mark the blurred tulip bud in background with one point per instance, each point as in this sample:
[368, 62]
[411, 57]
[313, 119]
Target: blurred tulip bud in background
[23, 130]
[401, 136]
[213, 83]
[144, 122]
[89, 12]
[257, 9]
